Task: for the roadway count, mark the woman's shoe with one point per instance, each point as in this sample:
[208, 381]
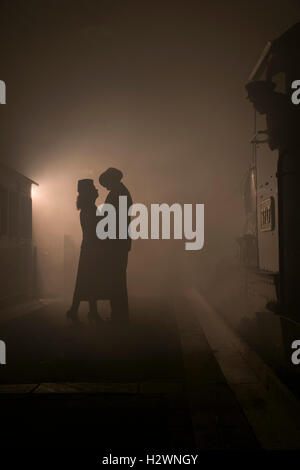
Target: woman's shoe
[72, 315]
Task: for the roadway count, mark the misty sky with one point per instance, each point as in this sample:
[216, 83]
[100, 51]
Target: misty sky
[155, 88]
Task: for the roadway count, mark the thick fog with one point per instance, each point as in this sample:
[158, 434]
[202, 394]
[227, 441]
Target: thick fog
[155, 89]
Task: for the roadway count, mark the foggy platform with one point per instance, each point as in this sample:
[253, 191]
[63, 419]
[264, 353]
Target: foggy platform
[139, 388]
[95, 385]
[43, 347]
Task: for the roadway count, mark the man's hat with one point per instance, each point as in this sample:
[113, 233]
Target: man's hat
[85, 185]
[110, 175]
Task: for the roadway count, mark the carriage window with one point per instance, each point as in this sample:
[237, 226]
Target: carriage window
[13, 214]
[28, 218]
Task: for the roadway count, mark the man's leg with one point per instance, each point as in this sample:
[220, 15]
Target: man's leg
[119, 302]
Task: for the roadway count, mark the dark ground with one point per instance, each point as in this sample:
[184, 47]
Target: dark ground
[94, 386]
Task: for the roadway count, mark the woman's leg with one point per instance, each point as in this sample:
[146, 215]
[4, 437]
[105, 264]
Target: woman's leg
[75, 306]
[72, 313]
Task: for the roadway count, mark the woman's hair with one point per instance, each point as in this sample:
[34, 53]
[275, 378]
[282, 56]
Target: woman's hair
[85, 200]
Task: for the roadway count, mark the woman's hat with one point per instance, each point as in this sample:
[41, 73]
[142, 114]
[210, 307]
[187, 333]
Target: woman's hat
[85, 185]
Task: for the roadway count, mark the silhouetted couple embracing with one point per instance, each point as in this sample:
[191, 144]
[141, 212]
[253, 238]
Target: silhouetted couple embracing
[102, 264]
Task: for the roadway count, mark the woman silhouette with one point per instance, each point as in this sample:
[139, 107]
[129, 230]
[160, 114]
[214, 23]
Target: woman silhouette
[87, 283]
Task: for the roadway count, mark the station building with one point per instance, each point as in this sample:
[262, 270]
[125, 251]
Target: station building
[18, 255]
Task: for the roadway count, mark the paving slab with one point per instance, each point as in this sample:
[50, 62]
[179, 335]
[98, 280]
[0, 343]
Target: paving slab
[270, 409]
[218, 421]
[17, 388]
[87, 388]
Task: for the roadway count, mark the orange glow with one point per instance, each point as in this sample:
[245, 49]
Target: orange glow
[34, 191]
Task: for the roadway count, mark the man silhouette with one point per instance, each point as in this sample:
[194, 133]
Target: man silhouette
[119, 248]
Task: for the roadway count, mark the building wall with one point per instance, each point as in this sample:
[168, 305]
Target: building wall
[17, 254]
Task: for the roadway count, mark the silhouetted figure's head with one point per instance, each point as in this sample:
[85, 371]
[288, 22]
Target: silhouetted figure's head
[87, 193]
[261, 94]
[111, 178]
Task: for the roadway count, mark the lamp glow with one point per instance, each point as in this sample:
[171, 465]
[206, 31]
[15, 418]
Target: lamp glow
[34, 191]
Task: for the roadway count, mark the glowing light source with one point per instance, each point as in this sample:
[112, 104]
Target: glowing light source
[34, 191]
